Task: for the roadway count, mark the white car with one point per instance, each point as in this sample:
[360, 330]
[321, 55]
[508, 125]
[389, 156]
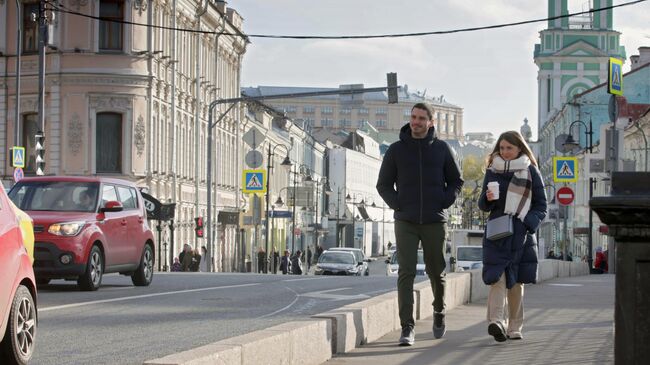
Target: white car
[469, 257]
[337, 263]
[362, 261]
[393, 267]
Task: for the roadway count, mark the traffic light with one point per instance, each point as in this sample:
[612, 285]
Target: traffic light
[392, 88]
[199, 227]
[40, 153]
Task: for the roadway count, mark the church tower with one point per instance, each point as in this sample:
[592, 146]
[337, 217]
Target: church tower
[573, 53]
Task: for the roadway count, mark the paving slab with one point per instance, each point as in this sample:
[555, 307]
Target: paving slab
[567, 321]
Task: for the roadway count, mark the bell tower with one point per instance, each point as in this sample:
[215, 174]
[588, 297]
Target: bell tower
[573, 52]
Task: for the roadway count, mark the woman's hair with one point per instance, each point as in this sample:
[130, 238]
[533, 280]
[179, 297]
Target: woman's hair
[514, 138]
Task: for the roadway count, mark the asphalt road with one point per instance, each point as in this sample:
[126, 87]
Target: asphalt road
[123, 324]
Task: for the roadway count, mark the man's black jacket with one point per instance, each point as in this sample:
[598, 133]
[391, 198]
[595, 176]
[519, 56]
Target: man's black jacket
[425, 174]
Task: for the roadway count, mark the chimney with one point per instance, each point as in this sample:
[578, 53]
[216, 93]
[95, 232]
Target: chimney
[641, 59]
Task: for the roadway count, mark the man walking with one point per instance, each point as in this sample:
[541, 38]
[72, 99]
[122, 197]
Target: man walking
[419, 179]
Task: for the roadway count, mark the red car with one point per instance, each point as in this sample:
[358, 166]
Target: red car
[17, 290]
[85, 227]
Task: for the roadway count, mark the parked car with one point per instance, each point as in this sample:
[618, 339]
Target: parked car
[392, 266]
[85, 227]
[337, 263]
[362, 261]
[17, 288]
[469, 257]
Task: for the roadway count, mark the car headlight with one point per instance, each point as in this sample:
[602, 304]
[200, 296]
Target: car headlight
[318, 268]
[353, 269]
[66, 229]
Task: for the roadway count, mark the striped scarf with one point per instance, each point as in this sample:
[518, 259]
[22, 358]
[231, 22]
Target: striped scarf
[519, 193]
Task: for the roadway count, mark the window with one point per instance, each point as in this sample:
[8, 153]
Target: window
[380, 123]
[363, 111]
[108, 151]
[30, 127]
[326, 122]
[127, 197]
[108, 194]
[326, 110]
[308, 109]
[343, 123]
[289, 109]
[30, 28]
[407, 112]
[345, 111]
[381, 111]
[110, 32]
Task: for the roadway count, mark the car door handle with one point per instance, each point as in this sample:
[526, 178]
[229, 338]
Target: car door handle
[123, 222]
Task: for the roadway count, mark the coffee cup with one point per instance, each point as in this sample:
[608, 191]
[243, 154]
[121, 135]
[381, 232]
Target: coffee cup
[493, 186]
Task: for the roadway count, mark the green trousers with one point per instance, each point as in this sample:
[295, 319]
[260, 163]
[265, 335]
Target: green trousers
[409, 236]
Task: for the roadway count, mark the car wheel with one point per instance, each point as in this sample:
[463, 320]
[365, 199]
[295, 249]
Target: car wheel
[18, 344]
[144, 274]
[92, 278]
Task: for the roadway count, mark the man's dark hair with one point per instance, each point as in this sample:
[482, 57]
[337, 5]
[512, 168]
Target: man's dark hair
[426, 107]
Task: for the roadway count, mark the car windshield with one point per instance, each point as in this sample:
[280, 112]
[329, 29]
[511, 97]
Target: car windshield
[393, 259]
[470, 253]
[357, 253]
[336, 258]
[56, 196]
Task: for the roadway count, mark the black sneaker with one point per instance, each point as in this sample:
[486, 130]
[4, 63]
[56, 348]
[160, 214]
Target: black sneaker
[496, 330]
[408, 337]
[439, 327]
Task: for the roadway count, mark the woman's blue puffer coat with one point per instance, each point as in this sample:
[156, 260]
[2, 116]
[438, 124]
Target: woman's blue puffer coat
[515, 255]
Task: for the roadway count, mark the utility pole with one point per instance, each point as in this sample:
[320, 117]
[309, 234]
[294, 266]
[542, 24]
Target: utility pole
[42, 42]
[19, 51]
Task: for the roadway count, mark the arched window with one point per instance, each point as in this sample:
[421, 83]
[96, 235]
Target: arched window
[108, 151]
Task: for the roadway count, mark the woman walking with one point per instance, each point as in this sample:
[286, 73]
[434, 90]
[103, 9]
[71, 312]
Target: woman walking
[511, 261]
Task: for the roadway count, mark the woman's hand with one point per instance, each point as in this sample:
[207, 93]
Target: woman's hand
[490, 195]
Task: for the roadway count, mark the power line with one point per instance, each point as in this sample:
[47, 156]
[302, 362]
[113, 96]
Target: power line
[64, 9]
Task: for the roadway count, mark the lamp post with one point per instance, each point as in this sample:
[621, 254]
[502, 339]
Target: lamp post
[328, 191]
[269, 166]
[307, 179]
[570, 142]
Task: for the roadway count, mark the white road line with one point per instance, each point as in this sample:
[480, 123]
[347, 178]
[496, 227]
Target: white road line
[301, 279]
[566, 284]
[74, 305]
[285, 308]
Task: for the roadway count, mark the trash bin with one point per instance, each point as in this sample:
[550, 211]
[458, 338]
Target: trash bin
[627, 213]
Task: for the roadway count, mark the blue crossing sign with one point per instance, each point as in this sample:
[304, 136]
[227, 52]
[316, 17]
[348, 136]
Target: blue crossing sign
[615, 77]
[254, 181]
[565, 169]
[18, 157]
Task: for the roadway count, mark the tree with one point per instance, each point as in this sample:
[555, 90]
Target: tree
[473, 174]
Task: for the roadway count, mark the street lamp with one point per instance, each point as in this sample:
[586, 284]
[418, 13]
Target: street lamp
[571, 143]
[338, 213]
[269, 166]
[303, 170]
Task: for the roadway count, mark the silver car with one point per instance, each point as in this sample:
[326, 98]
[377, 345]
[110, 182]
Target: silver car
[337, 263]
[393, 266]
[362, 261]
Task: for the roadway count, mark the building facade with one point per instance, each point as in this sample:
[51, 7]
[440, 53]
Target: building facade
[343, 112]
[132, 101]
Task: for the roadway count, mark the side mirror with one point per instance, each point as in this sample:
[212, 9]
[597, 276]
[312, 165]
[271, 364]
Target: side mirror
[387, 261]
[112, 206]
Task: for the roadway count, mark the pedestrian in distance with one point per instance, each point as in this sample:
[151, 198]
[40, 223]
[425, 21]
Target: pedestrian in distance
[276, 260]
[203, 264]
[176, 266]
[419, 178]
[186, 257]
[309, 258]
[511, 261]
[196, 261]
[284, 263]
[296, 263]
[261, 260]
[600, 264]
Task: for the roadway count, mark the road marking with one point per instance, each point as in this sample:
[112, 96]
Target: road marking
[301, 279]
[66, 306]
[286, 307]
[566, 284]
[325, 294]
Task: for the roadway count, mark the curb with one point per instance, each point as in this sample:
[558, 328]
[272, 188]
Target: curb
[343, 329]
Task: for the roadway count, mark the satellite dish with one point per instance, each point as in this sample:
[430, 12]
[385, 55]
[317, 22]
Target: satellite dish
[560, 147]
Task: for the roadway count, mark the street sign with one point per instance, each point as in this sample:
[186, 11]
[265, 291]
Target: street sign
[565, 195]
[565, 169]
[254, 137]
[280, 214]
[254, 159]
[615, 77]
[18, 174]
[18, 157]
[254, 181]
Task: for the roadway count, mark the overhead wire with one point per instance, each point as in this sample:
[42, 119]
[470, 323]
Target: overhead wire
[63, 9]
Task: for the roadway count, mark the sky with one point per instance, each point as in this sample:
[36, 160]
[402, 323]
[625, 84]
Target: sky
[489, 73]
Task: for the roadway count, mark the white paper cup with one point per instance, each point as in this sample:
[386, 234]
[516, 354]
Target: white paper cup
[493, 186]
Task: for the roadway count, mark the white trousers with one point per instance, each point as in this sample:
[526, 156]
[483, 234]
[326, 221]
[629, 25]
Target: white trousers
[506, 305]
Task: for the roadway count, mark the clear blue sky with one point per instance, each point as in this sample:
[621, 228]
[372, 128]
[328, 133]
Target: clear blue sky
[491, 73]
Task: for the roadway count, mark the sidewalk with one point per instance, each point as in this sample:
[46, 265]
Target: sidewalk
[568, 321]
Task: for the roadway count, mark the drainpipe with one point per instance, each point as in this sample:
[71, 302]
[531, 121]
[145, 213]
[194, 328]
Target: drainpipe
[172, 133]
[197, 110]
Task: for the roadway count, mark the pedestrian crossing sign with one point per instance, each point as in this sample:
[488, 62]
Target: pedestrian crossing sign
[18, 157]
[565, 169]
[615, 77]
[254, 181]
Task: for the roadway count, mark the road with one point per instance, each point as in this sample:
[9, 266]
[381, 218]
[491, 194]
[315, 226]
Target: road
[123, 324]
